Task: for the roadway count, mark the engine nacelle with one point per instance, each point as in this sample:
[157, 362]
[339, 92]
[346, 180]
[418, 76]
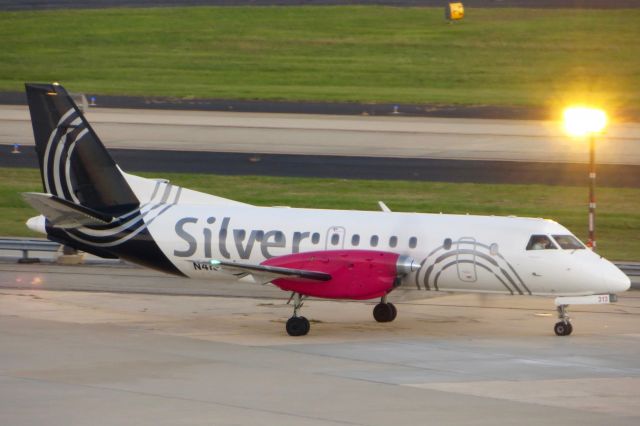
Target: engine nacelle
[355, 274]
[406, 265]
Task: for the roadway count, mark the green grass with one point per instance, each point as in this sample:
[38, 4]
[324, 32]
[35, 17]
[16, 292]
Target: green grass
[371, 54]
[618, 220]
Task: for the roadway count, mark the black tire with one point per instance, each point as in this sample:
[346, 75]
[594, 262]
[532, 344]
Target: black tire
[298, 326]
[563, 328]
[383, 312]
[569, 329]
[307, 325]
[394, 312]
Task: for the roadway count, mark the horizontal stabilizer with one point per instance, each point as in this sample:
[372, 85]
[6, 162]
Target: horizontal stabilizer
[261, 273]
[65, 214]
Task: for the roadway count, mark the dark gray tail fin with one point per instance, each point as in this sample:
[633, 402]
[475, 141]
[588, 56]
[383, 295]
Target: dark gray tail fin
[74, 164]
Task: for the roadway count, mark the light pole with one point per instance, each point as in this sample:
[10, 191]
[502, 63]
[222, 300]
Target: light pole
[582, 121]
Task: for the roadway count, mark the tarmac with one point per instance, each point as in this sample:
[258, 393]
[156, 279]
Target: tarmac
[108, 356]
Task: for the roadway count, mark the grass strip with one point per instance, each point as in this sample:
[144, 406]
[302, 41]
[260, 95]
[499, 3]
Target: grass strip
[534, 57]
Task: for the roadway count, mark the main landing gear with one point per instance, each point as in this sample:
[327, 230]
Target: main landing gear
[563, 327]
[297, 325]
[385, 311]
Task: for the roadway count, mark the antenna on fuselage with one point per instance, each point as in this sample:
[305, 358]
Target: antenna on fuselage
[384, 207]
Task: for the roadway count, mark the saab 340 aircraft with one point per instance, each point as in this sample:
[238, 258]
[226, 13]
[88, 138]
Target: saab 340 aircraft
[90, 204]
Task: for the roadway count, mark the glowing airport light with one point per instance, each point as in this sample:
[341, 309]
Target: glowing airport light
[582, 121]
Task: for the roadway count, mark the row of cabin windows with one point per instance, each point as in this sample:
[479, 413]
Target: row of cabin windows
[373, 242]
[335, 239]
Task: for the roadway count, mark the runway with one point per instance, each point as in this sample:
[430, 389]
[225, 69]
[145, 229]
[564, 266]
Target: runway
[400, 137]
[77, 357]
[470, 150]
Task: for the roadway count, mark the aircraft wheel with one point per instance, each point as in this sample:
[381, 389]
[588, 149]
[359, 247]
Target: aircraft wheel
[298, 326]
[563, 328]
[384, 312]
[395, 311]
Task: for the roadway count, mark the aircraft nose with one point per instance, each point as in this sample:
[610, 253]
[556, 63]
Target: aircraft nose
[616, 280]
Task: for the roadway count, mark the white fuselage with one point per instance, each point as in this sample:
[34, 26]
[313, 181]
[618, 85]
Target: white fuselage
[456, 252]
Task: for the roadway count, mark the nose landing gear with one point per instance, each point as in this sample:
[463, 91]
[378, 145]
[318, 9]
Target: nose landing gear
[563, 327]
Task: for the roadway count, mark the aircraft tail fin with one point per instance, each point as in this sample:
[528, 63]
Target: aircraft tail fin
[89, 202]
[74, 164]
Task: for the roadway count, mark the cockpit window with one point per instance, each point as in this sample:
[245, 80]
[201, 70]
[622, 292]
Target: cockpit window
[568, 242]
[540, 242]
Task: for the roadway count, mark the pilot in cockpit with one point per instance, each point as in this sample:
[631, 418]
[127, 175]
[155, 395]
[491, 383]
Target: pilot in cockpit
[541, 242]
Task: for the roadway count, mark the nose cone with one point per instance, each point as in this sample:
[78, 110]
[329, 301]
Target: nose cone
[616, 280]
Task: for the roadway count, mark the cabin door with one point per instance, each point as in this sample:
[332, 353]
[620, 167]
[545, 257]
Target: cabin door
[466, 259]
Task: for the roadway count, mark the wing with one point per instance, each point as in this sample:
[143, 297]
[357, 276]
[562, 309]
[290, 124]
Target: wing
[260, 273]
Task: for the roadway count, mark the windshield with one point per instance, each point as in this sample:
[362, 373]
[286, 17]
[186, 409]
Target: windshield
[568, 242]
[540, 242]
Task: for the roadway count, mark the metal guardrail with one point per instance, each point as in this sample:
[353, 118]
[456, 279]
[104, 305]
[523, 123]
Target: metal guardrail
[25, 245]
[631, 269]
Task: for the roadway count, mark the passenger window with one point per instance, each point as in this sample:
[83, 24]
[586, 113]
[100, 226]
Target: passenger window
[374, 241]
[355, 240]
[568, 242]
[413, 242]
[315, 238]
[335, 239]
[393, 241]
[540, 242]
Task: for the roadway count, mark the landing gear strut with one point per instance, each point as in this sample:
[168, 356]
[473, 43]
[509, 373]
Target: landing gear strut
[563, 327]
[384, 311]
[297, 325]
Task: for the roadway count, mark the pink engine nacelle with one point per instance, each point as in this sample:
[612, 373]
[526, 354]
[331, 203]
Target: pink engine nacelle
[355, 274]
